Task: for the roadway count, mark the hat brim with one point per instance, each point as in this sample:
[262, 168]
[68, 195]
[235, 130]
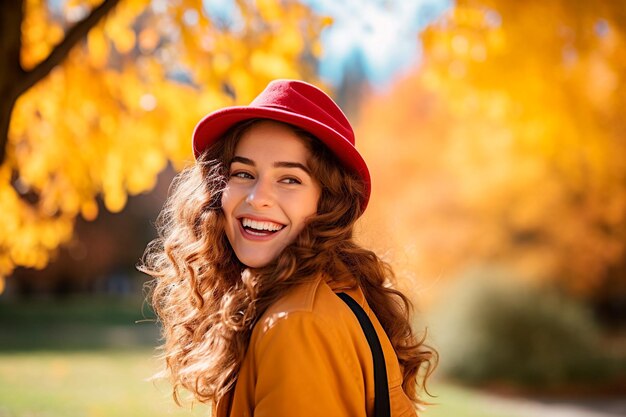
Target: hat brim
[216, 124]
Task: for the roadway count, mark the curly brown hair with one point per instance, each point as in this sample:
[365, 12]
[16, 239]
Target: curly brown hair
[208, 301]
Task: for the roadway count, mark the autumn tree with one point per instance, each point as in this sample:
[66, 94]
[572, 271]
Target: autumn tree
[506, 145]
[98, 96]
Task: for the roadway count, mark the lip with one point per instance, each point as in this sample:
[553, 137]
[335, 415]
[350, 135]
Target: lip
[255, 238]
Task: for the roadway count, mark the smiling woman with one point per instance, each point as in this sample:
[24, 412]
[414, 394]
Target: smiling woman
[268, 306]
[270, 192]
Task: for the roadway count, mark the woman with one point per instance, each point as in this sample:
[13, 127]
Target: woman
[255, 244]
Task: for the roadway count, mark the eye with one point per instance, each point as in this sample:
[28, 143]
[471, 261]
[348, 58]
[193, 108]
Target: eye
[290, 180]
[241, 174]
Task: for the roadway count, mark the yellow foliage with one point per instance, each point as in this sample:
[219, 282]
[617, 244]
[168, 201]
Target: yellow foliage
[124, 103]
[98, 46]
[508, 144]
[148, 40]
[89, 210]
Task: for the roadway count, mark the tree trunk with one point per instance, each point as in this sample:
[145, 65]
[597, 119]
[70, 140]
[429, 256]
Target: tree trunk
[14, 81]
[10, 45]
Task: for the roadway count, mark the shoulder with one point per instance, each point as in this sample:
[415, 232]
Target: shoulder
[310, 324]
[310, 301]
[309, 307]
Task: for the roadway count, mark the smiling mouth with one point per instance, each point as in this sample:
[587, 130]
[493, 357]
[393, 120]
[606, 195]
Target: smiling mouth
[260, 228]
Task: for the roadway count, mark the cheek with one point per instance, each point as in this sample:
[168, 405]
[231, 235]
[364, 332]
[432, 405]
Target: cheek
[314, 201]
[304, 209]
[225, 196]
[228, 199]
[228, 207]
[227, 217]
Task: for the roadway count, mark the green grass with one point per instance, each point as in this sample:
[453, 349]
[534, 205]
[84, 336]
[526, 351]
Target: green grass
[114, 383]
[454, 401]
[85, 384]
[89, 358]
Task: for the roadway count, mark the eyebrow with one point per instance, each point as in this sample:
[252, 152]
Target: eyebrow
[277, 164]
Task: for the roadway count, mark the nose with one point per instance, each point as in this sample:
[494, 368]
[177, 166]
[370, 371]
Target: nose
[261, 194]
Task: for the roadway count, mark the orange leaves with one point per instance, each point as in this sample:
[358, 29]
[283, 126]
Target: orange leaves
[148, 40]
[98, 46]
[124, 103]
[118, 27]
[27, 238]
[123, 38]
[39, 35]
[510, 139]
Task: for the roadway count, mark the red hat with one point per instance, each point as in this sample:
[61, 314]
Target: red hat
[297, 103]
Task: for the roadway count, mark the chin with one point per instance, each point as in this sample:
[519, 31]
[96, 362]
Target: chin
[255, 261]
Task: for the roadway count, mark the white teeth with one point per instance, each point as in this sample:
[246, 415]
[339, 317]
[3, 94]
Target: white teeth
[270, 226]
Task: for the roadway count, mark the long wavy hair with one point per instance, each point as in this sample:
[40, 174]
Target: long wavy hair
[208, 302]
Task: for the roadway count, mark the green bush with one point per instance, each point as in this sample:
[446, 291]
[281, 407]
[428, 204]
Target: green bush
[493, 327]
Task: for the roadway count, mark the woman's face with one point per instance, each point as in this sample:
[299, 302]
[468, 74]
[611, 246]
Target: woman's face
[270, 193]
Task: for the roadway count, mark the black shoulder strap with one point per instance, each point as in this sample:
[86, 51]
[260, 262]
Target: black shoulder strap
[381, 387]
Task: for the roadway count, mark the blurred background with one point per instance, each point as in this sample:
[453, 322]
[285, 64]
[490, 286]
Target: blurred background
[495, 133]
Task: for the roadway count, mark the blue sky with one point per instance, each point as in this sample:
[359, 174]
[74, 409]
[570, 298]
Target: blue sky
[384, 31]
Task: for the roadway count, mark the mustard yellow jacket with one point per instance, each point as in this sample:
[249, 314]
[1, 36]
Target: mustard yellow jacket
[308, 357]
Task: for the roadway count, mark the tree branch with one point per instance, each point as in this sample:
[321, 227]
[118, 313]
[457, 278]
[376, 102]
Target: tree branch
[14, 81]
[59, 53]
